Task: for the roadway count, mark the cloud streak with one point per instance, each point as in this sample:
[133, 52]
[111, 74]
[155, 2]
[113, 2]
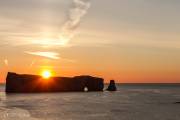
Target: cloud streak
[51, 55]
[76, 12]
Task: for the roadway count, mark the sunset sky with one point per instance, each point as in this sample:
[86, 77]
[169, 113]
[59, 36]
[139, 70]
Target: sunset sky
[126, 40]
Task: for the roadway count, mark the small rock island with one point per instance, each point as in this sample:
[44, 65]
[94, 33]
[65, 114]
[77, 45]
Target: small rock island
[22, 83]
[112, 86]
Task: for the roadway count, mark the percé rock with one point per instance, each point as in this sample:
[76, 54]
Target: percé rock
[112, 86]
[17, 83]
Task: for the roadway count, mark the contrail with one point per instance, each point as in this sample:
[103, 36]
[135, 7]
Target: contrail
[78, 10]
[51, 55]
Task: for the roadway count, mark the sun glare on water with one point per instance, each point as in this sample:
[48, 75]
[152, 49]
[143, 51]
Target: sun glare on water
[46, 74]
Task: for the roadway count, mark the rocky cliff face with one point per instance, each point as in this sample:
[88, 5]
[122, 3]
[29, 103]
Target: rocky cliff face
[16, 83]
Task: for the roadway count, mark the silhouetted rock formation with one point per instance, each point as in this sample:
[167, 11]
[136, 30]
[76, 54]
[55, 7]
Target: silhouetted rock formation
[16, 83]
[112, 86]
[176, 102]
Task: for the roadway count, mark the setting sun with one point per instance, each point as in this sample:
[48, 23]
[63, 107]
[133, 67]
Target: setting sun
[46, 74]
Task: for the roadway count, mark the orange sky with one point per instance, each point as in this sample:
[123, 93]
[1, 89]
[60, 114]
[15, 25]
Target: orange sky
[135, 41]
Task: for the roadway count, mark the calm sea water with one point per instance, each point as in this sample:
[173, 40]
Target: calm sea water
[130, 102]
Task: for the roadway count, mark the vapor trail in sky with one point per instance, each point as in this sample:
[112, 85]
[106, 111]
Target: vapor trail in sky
[51, 55]
[77, 11]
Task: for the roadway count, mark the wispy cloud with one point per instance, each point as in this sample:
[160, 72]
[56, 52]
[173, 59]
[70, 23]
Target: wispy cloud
[78, 10]
[51, 55]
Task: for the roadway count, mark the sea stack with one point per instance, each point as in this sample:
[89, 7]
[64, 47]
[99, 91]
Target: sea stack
[112, 86]
[22, 83]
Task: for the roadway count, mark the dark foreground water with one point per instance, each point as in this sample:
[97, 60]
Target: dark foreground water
[130, 102]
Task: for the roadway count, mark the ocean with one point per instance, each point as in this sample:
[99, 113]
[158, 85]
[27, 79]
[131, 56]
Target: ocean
[130, 102]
